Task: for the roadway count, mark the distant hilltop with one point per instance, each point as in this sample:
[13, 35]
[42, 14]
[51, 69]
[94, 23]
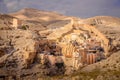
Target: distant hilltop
[37, 14]
[49, 16]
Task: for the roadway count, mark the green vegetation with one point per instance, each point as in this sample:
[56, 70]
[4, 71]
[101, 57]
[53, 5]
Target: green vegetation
[24, 27]
[94, 75]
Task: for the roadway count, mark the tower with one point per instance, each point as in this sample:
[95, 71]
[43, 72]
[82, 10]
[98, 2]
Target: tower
[16, 23]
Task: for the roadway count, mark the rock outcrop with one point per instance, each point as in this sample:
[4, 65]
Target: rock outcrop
[19, 48]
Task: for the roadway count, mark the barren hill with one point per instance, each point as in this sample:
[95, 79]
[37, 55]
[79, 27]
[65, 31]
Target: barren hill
[103, 20]
[37, 15]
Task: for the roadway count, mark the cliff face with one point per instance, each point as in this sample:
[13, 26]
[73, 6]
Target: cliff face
[21, 50]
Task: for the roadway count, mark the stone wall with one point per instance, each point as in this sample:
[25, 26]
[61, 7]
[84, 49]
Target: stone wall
[58, 33]
[104, 39]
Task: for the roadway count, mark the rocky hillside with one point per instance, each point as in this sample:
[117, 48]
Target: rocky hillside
[46, 47]
[103, 20]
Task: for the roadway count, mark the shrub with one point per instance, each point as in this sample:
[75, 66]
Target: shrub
[25, 27]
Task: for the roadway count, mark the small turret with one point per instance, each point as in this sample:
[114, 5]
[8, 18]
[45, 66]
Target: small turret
[16, 23]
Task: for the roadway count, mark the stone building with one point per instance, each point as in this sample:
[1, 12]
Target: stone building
[16, 23]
